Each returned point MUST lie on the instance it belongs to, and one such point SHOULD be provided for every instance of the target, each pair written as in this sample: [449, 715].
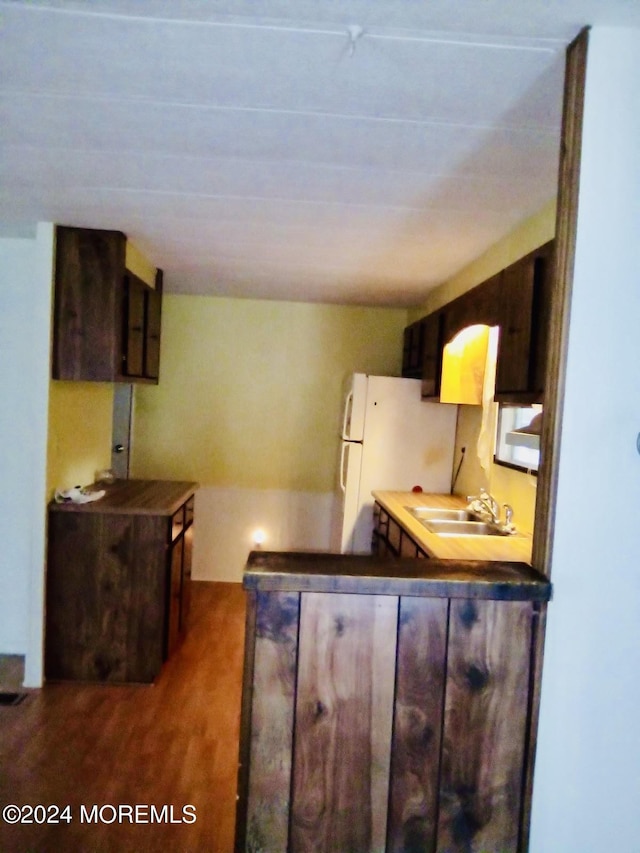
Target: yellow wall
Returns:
[250, 390]
[531, 234]
[506, 485]
[138, 264]
[79, 436]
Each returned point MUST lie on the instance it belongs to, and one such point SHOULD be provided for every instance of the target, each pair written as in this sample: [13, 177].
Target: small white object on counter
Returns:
[78, 495]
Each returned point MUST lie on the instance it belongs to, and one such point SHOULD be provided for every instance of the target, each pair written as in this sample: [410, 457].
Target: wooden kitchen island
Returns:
[387, 704]
[118, 581]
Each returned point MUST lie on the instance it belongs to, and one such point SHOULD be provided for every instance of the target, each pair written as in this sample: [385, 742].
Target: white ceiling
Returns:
[352, 152]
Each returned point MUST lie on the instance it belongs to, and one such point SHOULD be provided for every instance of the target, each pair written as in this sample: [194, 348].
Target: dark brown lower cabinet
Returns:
[389, 539]
[383, 722]
[118, 584]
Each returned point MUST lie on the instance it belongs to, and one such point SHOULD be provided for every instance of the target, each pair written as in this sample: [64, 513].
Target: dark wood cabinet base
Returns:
[383, 721]
[118, 575]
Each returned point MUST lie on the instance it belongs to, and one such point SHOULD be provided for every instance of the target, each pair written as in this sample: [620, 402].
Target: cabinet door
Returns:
[516, 305]
[477, 306]
[86, 317]
[408, 547]
[543, 289]
[394, 536]
[431, 355]
[525, 304]
[152, 334]
[412, 351]
[134, 323]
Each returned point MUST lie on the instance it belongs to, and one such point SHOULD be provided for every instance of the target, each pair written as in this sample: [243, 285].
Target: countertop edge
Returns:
[365, 575]
[173, 494]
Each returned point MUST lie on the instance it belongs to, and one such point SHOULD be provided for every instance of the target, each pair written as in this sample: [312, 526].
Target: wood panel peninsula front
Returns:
[118, 581]
[387, 704]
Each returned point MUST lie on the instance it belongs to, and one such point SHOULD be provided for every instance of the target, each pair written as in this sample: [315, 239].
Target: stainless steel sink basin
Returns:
[428, 513]
[462, 528]
[454, 522]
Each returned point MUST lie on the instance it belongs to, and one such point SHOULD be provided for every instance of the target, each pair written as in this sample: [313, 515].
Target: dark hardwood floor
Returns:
[174, 743]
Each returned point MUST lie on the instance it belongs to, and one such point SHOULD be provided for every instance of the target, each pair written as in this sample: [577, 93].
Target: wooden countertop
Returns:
[135, 497]
[363, 574]
[514, 548]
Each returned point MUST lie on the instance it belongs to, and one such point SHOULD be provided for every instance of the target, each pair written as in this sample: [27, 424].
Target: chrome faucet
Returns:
[508, 515]
[485, 505]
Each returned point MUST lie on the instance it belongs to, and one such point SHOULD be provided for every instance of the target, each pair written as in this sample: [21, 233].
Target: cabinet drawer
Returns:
[394, 535]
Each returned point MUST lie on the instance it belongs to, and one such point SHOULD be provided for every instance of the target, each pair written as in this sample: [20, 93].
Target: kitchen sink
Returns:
[454, 522]
[429, 513]
[463, 528]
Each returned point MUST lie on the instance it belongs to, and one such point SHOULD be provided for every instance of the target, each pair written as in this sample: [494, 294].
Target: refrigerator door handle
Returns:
[347, 414]
[343, 482]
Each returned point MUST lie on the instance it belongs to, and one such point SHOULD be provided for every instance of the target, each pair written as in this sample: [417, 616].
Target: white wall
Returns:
[587, 781]
[290, 520]
[25, 307]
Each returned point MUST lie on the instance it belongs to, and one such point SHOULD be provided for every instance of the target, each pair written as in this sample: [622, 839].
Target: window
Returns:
[518, 437]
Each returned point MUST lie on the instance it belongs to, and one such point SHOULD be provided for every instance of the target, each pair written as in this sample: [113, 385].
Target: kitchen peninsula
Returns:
[387, 703]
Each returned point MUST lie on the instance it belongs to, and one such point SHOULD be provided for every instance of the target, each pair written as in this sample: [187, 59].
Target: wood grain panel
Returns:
[516, 306]
[73, 545]
[145, 581]
[134, 322]
[272, 716]
[478, 305]
[431, 355]
[89, 268]
[421, 660]
[105, 597]
[349, 573]
[564, 257]
[152, 340]
[344, 712]
[485, 726]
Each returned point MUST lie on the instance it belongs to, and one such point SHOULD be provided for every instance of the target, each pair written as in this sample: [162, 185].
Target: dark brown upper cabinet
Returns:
[478, 306]
[525, 296]
[422, 354]
[412, 350]
[142, 307]
[106, 322]
[517, 299]
[431, 356]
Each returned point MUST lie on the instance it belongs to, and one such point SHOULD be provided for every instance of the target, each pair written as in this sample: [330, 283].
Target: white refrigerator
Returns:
[391, 440]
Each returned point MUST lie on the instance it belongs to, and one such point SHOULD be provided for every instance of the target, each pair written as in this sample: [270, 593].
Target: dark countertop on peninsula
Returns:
[363, 574]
